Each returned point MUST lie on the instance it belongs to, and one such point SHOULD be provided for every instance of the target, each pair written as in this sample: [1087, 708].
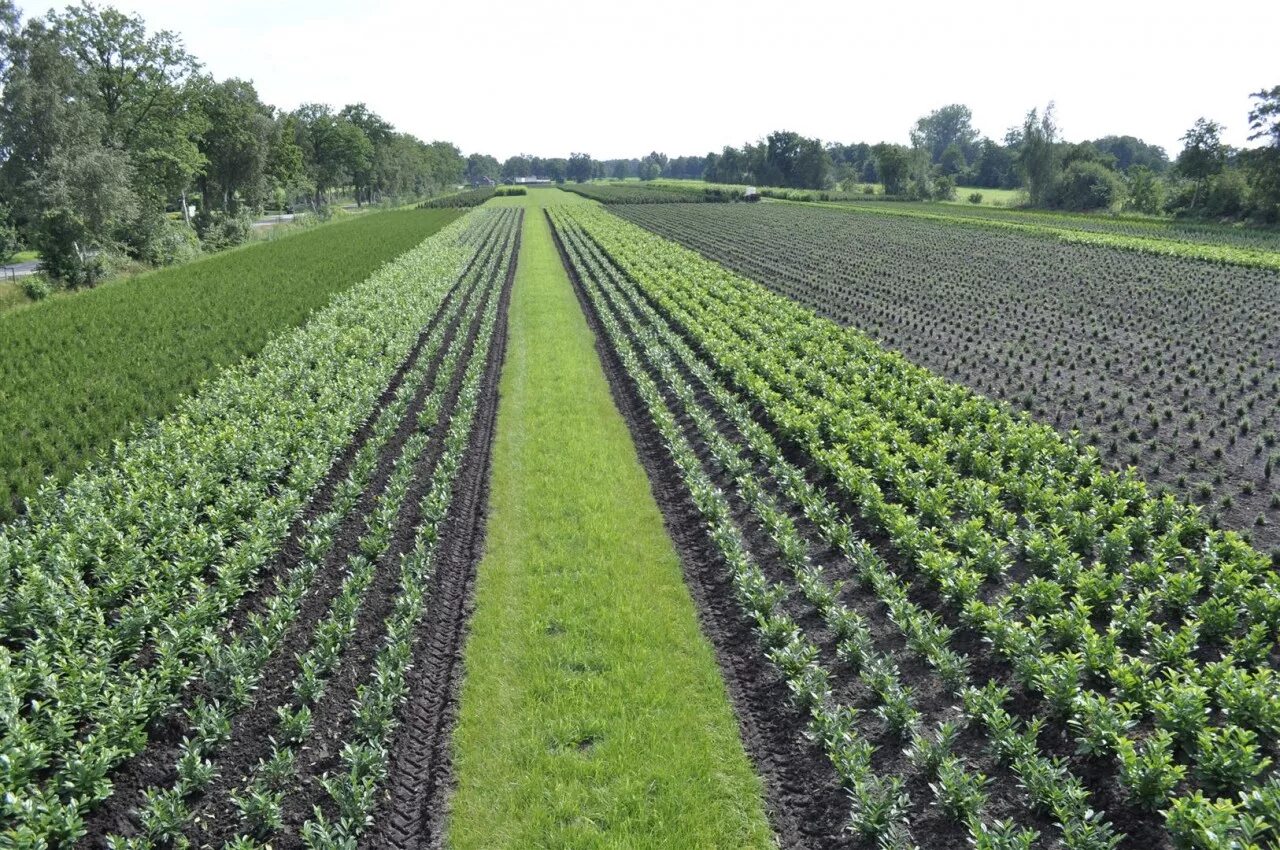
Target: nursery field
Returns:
[1261, 239]
[1166, 364]
[206, 637]
[78, 373]
[993, 640]
[533, 527]
[648, 193]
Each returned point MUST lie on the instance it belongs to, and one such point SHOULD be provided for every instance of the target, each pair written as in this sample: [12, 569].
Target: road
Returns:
[273, 220]
[19, 269]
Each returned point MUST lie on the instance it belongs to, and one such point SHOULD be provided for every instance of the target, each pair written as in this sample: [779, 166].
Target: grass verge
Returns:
[593, 713]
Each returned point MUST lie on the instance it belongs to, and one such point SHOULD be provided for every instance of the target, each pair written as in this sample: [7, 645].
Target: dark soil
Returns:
[1167, 364]
[413, 813]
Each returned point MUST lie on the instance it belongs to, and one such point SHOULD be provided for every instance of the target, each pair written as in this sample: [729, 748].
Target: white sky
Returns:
[620, 79]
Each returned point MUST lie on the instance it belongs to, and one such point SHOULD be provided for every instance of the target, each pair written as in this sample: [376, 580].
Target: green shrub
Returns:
[67, 248]
[975, 197]
[37, 287]
[165, 242]
[218, 230]
[1087, 186]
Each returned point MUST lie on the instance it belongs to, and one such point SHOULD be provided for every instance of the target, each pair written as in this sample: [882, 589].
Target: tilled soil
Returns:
[412, 815]
[1084, 338]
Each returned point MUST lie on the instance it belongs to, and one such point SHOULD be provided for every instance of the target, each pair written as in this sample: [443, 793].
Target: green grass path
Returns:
[593, 713]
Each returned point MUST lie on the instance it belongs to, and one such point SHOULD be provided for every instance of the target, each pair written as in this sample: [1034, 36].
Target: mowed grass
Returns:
[79, 372]
[593, 713]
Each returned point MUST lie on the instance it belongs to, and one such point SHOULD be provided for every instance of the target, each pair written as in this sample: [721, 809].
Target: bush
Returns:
[165, 242]
[220, 230]
[975, 197]
[1226, 196]
[510, 191]
[37, 287]
[944, 188]
[1087, 186]
[67, 249]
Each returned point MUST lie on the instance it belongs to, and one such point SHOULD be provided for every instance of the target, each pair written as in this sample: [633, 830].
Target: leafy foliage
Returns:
[1050, 329]
[959, 487]
[80, 373]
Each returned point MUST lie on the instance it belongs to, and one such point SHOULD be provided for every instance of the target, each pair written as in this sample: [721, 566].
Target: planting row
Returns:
[798, 541]
[263, 514]
[1254, 245]
[1125, 646]
[77, 374]
[646, 193]
[1163, 364]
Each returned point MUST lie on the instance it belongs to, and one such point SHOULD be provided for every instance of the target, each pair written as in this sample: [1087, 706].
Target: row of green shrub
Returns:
[78, 373]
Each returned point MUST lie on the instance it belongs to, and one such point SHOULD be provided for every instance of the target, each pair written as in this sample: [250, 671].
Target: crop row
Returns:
[119, 590]
[1264, 240]
[469, 198]
[1167, 365]
[1141, 631]
[880, 803]
[77, 374]
[641, 193]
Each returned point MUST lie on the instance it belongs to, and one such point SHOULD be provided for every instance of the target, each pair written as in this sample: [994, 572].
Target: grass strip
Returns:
[592, 712]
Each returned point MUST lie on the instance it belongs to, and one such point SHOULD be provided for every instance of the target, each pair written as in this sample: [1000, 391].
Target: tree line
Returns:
[116, 144]
[1207, 178]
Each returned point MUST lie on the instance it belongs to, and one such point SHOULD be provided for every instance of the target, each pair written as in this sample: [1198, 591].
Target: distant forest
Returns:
[1207, 178]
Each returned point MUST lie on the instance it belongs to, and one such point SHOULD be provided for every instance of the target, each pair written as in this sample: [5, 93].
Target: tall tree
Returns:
[944, 127]
[10, 27]
[1203, 154]
[893, 162]
[1037, 155]
[236, 145]
[138, 82]
[333, 149]
[481, 166]
[1130, 151]
[517, 166]
[579, 169]
[1264, 162]
[366, 177]
[995, 167]
[72, 192]
[286, 167]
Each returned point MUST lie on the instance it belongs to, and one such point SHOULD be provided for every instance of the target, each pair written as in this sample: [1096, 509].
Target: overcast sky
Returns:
[620, 79]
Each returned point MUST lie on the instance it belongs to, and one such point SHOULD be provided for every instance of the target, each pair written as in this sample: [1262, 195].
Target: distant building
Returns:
[477, 182]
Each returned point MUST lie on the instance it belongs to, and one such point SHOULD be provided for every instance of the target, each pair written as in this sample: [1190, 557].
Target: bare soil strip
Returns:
[412, 814]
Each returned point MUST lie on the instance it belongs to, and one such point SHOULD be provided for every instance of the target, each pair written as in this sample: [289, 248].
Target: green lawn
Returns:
[593, 713]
